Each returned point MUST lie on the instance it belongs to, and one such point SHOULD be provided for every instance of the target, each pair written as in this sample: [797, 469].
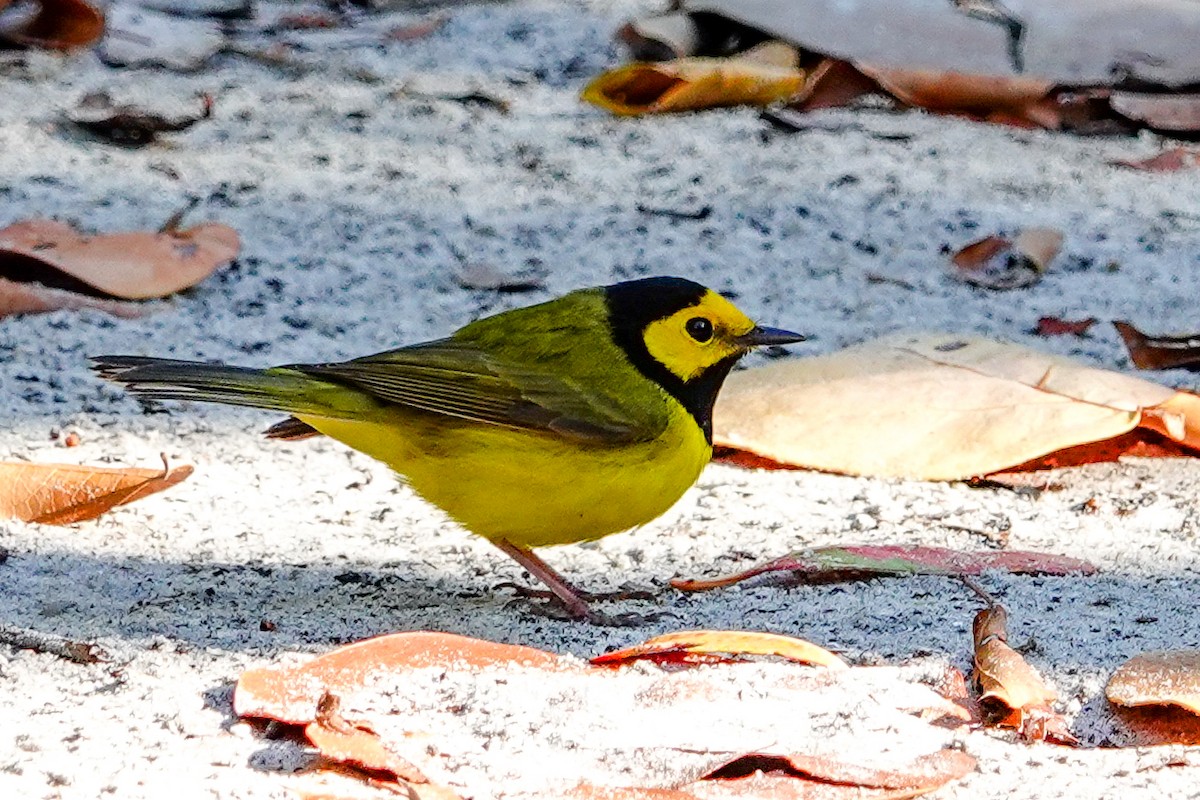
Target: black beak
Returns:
[761, 336]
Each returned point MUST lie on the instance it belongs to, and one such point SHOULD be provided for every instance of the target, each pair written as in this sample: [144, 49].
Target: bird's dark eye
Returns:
[699, 329]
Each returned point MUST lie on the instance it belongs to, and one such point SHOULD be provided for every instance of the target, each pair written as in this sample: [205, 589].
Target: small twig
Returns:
[51, 644]
[702, 213]
[473, 98]
[975, 587]
[175, 220]
[875, 277]
[791, 121]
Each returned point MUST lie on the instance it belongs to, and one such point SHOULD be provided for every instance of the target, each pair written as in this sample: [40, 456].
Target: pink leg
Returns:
[576, 606]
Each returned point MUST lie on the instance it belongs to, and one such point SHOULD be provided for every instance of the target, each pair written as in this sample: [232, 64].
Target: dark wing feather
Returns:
[458, 379]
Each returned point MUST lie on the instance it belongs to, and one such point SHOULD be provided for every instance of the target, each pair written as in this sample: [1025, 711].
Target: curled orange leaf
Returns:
[689, 647]
[59, 494]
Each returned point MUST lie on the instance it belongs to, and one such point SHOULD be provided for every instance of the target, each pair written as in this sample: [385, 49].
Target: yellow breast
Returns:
[533, 489]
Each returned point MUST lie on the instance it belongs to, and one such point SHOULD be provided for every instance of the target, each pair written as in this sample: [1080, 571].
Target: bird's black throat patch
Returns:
[632, 306]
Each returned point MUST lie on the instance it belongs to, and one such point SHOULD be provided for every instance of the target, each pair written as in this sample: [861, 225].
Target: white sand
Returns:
[352, 197]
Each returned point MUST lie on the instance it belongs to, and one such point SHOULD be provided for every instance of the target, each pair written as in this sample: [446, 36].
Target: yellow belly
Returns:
[533, 489]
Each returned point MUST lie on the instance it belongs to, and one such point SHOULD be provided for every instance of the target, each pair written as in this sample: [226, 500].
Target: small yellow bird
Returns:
[561, 422]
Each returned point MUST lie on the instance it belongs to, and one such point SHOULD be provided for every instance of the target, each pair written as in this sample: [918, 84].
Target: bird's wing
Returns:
[459, 379]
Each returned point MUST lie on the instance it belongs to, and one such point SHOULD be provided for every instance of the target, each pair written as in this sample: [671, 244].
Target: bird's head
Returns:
[684, 337]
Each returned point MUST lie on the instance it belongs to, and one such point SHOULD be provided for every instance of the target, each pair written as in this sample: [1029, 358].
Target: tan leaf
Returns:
[58, 25]
[784, 786]
[995, 262]
[450, 707]
[806, 777]
[753, 78]
[1039, 245]
[135, 266]
[834, 83]
[1172, 160]
[355, 744]
[1076, 43]
[996, 97]
[1162, 677]
[936, 406]
[1009, 687]
[59, 494]
[292, 695]
[709, 646]
[34, 298]
[1175, 112]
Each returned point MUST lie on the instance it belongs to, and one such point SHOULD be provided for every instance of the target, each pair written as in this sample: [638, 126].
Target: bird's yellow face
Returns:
[684, 338]
[689, 341]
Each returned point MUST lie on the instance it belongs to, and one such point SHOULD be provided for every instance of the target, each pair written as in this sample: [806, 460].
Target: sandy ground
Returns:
[354, 189]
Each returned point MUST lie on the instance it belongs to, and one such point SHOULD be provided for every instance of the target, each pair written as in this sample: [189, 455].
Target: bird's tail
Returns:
[277, 389]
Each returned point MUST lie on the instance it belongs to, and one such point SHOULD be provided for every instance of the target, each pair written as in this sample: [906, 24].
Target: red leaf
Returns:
[1054, 326]
[861, 562]
[59, 25]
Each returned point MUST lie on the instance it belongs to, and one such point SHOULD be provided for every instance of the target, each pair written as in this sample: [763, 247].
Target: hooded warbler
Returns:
[557, 423]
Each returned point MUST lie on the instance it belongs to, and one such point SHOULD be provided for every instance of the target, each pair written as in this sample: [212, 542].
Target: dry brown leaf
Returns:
[59, 494]
[838, 563]
[292, 695]
[307, 22]
[754, 78]
[834, 83]
[1147, 726]
[1172, 160]
[1159, 352]
[420, 29]
[656, 735]
[701, 647]
[134, 266]
[356, 745]
[1047, 65]
[34, 298]
[925, 773]
[785, 786]
[938, 407]
[807, 777]
[995, 262]
[1170, 113]
[57, 25]
[1138, 443]
[1013, 100]
[1011, 691]
[128, 125]
[1070, 42]
[1055, 326]
[1162, 677]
